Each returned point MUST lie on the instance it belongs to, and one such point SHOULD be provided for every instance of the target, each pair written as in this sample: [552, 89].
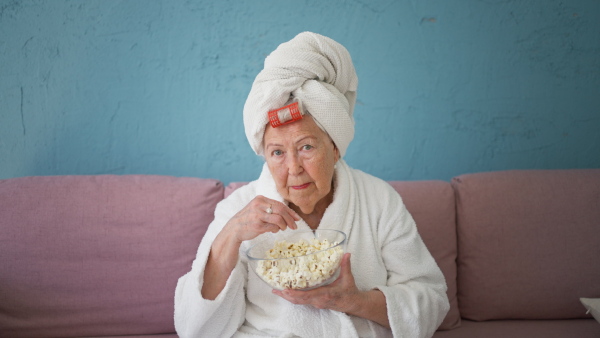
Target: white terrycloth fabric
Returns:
[387, 254]
[318, 72]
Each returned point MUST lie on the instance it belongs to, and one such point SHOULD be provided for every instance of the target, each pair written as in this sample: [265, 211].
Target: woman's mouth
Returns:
[300, 187]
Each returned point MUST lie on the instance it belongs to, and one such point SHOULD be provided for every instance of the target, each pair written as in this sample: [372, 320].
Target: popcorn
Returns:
[310, 263]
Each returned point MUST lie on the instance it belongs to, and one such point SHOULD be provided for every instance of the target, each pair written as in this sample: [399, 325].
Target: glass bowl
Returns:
[298, 259]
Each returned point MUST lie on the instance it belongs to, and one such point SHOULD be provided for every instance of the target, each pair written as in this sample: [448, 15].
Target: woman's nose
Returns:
[294, 165]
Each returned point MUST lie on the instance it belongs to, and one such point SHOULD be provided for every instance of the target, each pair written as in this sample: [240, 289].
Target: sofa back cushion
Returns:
[431, 203]
[233, 186]
[97, 255]
[528, 243]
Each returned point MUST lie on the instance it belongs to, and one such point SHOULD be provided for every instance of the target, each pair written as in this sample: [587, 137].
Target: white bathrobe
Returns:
[387, 254]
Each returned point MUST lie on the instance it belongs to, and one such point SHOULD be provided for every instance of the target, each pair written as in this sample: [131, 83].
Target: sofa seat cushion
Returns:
[580, 328]
[528, 243]
[97, 255]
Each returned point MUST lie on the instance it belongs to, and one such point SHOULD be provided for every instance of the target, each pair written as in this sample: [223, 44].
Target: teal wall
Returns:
[157, 87]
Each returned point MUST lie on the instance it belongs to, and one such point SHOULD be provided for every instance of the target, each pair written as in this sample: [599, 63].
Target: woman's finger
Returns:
[275, 220]
[297, 297]
[345, 278]
[346, 266]
[286, 217]
[282, 221]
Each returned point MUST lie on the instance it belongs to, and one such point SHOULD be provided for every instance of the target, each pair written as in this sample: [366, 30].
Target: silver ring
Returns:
[269, 210]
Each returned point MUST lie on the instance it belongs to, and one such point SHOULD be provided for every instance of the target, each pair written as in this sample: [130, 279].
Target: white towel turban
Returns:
[315, 70]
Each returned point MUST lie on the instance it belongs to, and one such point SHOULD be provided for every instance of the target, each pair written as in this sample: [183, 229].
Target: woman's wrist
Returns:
[358, 303]
[223, 257]
[370, 305]
[225, 250]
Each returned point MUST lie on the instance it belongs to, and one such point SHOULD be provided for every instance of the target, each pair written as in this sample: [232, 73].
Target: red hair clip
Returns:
[285, 115]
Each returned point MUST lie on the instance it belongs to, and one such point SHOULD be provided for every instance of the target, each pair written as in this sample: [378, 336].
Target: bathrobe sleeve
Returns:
[199, 317]
[416, 289]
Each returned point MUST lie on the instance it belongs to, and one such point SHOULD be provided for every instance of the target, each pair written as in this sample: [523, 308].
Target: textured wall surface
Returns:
[157, 87]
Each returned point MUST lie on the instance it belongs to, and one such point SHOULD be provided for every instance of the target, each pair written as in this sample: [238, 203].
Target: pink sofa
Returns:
[101, 255]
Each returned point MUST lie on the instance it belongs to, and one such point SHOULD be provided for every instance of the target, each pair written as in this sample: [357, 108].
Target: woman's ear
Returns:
[336, 152]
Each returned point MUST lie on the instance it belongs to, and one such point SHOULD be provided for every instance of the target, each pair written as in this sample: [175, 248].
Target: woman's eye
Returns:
[277, 152]
[307, 147]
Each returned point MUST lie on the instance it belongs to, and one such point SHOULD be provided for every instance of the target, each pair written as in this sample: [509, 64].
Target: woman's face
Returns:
[301, 157]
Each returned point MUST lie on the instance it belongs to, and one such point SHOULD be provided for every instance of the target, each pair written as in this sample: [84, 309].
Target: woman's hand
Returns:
[254, 219]
[259, 216]
[342, 295]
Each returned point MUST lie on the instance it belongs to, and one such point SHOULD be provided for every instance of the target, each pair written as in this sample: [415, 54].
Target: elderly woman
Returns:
[299, 116]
